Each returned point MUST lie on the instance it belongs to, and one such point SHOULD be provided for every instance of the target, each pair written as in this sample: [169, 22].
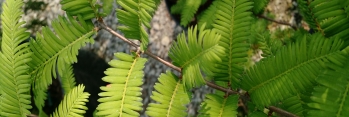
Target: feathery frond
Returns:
[233, 24]
[51, 51]
[294, 104]
[189, 10]
[170, 97]
[330, 17]
[177, 8]
[40, 96]
[208, 16]
[259, 5]
[331, 97]
[67, 79]
[292, 70]
[122, 96]
[136, 16]
[197, 53]
[14, 56]
[85, 8]
[216, 105]
[260, 38]
[73, 104]
[307, 14]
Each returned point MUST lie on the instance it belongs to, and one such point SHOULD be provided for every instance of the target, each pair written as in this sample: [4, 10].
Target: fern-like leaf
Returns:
[51, 51]
[233, 24]
[331, 17]
[216, 105]
[292, 70]
[135, 16]
[40, 96]
[122, 96]
[177, 8]
[199, 52]
[86, 9]
[189, 9]
[331, 97]
[170, 96]
[259, 5]
[294, 104]
[208, 16]
[67, 79]
[73, 103]
[307, 14]
[260, 38]
[14, 56]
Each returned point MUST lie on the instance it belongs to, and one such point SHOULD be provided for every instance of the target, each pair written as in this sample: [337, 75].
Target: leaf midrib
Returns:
[12, 39]
[288, 71]
[58, 53]
[343, 100]
[231, 42]
[191, 61]
[222, 107]
[172, 98]
[125, 87]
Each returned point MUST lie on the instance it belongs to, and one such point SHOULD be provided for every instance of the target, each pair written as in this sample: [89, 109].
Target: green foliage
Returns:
[330, 98]
[136, 15]
[15, 83]
[67, 79]
[60, 49]
[306, 62]
[294, 104]
[73, 104]
[171, 97]
[233, 24]
[196, 54]
[259, 5]
[85, 9]
[328, 17]
[307, 14]
[261, 38]
[257, 114]
[107, 6]
[306, 74]
[122, 96]
[187, 9]
[208, 16]
[217, 105]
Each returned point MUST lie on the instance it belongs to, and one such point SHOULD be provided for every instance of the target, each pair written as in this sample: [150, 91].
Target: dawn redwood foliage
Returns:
[307, 76]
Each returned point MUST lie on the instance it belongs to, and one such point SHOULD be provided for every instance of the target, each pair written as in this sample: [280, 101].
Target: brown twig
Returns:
[102, 24]
[243, 106]
[208, 83]
[281, 112]
[279, 22]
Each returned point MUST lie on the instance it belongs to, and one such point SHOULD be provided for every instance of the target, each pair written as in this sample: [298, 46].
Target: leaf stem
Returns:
[281, 112]
[208, 83]
[278, 22]
[102, 24]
